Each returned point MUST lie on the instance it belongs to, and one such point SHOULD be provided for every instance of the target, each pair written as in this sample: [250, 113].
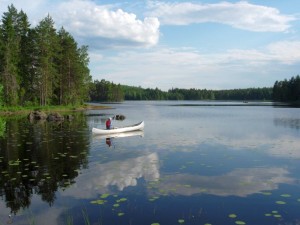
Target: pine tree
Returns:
[74, 77]
[10, 55]
[25, 62]
[46, 71]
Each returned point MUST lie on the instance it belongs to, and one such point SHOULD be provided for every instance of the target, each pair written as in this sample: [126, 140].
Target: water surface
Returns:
[195, 163]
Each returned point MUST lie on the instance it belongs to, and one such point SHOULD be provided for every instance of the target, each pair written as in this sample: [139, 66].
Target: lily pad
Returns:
[181, 221]
[99, 202]
[280, 202]
[232, 215]
[239, 222]
[285, 195]
[121, 214]
[122, 200]
[266, 193]
[104, 195]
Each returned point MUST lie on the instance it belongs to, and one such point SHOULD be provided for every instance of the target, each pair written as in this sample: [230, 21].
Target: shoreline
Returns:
[21, 111]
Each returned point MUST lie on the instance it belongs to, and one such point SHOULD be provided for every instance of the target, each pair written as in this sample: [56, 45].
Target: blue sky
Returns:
[180, 44]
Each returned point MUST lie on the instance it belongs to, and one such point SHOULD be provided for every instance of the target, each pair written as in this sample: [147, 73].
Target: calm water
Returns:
[195, 163]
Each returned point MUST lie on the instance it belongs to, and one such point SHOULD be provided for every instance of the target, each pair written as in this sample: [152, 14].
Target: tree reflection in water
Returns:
[40, 158]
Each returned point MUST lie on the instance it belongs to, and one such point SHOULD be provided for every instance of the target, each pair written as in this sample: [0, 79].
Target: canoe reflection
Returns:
[108, 137]
[120, 135]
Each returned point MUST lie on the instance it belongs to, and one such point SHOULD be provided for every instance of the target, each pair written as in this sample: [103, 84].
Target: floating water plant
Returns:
[99, 202]
[239, 222]
[122, 200]
[232, 215]
[285, 195]
[104, 195]
[266, 193]
[121, 214]
[280, 202]
[155, 197]
[181, 221]
[155, 224]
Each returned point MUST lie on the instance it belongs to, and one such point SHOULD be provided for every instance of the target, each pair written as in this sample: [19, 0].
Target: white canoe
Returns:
[138, 126]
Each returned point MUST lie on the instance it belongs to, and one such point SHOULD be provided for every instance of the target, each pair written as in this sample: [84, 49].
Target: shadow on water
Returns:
[40, 158]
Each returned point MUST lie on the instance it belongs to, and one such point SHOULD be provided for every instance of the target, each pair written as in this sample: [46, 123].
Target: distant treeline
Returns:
[108, 91]
[40, 65]
[285, 91]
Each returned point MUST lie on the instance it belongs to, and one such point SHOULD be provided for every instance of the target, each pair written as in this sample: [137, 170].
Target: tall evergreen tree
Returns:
[46, 71]
[10, 41]
[74, 77]
[25, 62]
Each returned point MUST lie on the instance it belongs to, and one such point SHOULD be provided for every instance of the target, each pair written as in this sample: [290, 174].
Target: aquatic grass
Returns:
[30, 218]
[85, 217]
[70, 220]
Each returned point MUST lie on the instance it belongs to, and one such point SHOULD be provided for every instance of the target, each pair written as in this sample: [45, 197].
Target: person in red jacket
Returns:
[108, 124]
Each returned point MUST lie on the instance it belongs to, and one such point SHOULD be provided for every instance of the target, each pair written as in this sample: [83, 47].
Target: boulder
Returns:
[120, 117]
[37, 115]
[55, 117]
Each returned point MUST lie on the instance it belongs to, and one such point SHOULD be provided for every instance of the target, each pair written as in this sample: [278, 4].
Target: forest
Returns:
[40, 65]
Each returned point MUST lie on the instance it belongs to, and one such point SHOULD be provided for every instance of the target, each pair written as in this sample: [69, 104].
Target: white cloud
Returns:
[98, 25]
[241, 15]
[89, 20]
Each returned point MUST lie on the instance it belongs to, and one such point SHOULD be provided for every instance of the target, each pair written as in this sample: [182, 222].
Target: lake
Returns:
[195, 163]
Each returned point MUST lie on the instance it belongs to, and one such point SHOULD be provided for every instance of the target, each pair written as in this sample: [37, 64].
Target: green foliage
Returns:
[287, 90]
[106, 91]
[1, 96]
[2, 126]
[40, 65]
